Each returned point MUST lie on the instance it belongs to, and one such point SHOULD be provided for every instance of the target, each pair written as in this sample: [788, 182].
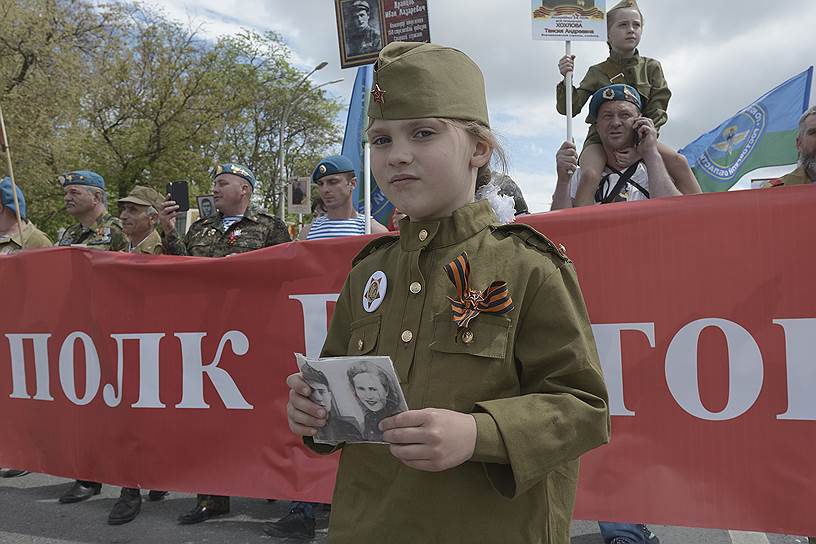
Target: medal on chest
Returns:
[374, 291]
[233, 237]
[104, 234]
[469, 303]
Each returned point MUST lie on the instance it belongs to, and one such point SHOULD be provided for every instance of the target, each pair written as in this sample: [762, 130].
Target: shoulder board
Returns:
[269, 216]
[374, 246]
[532, 237]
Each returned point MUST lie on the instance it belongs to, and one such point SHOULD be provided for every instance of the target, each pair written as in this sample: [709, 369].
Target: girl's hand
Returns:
[566, 64]
[305, 416]
[566, 161]
[430, 439]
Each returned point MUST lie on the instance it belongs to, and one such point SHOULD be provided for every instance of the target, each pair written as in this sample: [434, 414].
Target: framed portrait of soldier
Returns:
[360, 25]
[300, 196]
[206, 206]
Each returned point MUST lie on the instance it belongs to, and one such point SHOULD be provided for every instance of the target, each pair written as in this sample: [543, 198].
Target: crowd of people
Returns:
[470, 448]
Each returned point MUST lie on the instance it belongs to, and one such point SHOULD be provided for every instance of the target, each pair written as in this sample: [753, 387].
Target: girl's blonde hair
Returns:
[498, 155]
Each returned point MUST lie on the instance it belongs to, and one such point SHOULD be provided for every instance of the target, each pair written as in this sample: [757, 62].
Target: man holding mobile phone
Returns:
[238, 226]
[624, 132]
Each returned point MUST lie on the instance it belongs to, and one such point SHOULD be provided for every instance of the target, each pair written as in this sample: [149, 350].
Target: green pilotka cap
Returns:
[418, 80]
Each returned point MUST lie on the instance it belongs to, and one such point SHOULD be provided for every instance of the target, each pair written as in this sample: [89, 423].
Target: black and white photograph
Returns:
[356, 392]
[359, 25]
[206, 206]
[300, 200]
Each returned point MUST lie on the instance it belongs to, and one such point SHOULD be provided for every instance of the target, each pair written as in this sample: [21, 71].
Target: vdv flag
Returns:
[353, 142]
[763, 134]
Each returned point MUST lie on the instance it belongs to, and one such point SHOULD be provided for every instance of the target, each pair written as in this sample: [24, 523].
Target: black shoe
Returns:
[648, 535]
[200, 513]
[80, 491]
[12, 472]
[154, 495]
[126, 508]
[292, 525]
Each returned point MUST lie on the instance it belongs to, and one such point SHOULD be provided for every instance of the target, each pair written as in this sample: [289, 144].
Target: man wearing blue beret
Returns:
[238, 227]
[616, 109]
[10, 241]
[336, 180]
[86, 200]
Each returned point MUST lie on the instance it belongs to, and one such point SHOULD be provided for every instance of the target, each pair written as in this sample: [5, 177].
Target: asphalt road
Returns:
[30, 514]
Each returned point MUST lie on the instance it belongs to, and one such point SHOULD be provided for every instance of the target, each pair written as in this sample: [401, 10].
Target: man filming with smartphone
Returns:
[624, 133]
[238, 226]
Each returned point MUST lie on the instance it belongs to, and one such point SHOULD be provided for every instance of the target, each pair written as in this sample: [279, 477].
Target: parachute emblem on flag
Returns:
[729, 151]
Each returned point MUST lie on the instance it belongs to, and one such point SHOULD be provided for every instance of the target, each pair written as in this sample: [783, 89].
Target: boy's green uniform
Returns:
[530, 377]
[529, 374]
[642, 73]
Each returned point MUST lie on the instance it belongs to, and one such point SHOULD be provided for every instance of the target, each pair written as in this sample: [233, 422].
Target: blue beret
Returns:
[82, 177]
[336, 164]
[237, 170]
[7, 197]
[610, 93]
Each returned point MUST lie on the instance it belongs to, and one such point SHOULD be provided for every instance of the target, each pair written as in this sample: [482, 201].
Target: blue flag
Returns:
[761, 135]
[353, 142]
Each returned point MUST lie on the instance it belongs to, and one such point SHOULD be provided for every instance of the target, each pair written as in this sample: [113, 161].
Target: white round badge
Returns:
[374, 291]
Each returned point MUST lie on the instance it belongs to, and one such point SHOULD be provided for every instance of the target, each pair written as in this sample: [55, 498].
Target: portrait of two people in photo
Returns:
[357, 394]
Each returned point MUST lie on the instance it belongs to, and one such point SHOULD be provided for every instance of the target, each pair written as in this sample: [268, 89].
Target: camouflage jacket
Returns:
[207, 237]
[152, 245]
[33, 238]
[106, 234]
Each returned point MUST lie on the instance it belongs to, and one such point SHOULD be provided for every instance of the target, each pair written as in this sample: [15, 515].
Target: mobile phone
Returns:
[637, 137]
[179, 191]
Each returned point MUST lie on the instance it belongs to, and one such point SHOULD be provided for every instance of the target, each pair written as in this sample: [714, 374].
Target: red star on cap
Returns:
[378, 94]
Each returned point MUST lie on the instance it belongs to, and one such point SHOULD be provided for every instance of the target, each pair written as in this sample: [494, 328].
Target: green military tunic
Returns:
[106, 234]
[207, 237]
[531, 378]
[797, 177]
[642, 73]
[152, 245]
[33, 238]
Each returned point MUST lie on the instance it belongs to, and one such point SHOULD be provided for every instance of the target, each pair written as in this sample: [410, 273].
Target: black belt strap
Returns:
[624, 178]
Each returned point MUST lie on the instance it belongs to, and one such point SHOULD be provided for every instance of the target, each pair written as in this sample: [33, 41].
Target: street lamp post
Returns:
[287, 111]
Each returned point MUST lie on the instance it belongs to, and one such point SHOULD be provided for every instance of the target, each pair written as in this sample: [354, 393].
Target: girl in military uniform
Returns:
[624, 65]
[485, 324]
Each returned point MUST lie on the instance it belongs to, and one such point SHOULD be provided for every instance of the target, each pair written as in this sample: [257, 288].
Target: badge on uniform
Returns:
[233, 237]
[374, 292]
[104, 235]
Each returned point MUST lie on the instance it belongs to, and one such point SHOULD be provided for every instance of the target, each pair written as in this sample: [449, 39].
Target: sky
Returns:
[718, 57]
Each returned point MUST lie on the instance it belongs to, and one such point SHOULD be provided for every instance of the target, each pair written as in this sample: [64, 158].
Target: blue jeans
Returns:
[630, 531]
[306, 507]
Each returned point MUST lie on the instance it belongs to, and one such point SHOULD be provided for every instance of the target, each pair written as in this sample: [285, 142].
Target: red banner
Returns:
[168, 372]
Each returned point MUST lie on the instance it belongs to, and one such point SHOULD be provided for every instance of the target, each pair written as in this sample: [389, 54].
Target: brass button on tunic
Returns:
[533, 385]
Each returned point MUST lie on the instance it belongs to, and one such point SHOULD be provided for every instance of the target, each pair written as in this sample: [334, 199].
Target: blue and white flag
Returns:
[353, 145]
[761, 135]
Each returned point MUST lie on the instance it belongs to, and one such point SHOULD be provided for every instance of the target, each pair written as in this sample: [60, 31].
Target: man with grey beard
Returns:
[806, 145]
